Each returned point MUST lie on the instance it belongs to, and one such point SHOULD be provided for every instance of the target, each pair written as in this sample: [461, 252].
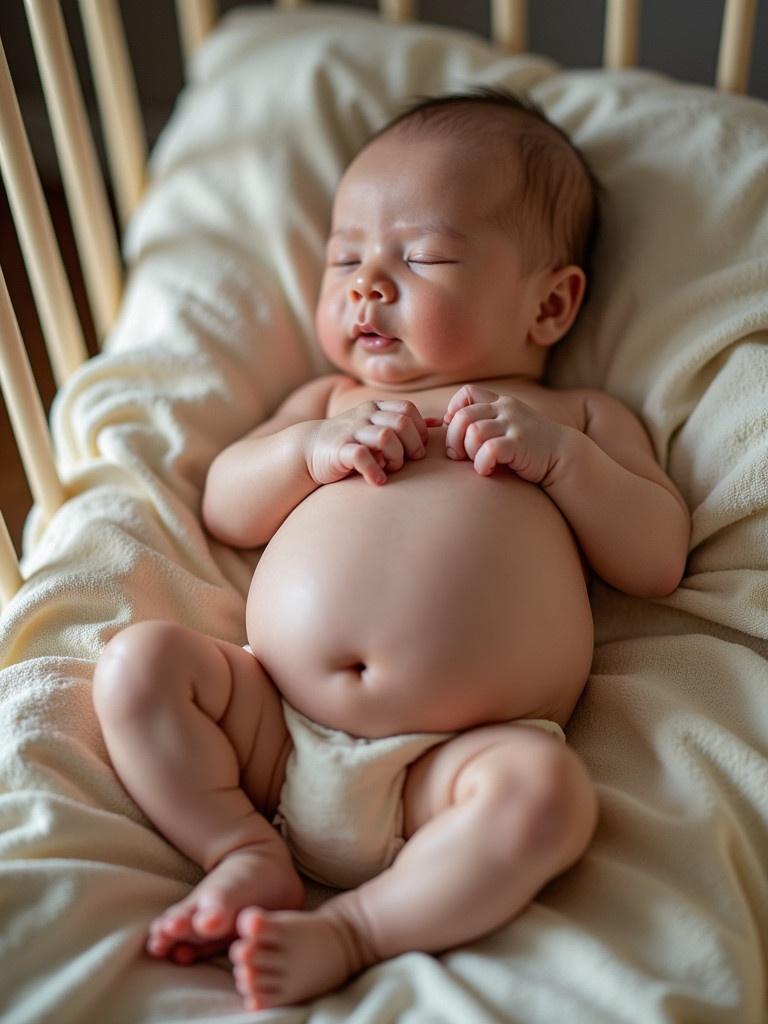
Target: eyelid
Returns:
[428, 258]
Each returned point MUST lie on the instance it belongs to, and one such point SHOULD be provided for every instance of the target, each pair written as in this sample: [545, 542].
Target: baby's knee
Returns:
[548, 810]
[131, 668]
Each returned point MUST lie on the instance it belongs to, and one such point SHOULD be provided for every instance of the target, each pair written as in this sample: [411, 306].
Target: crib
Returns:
[201, 298]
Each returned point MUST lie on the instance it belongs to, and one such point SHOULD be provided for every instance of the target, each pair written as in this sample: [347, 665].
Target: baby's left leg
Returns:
[490, 817]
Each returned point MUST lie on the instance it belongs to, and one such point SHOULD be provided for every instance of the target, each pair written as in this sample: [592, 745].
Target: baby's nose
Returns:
[373, 287]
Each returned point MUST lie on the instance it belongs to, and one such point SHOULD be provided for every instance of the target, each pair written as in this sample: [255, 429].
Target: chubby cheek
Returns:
[442, 329]
[329, 321]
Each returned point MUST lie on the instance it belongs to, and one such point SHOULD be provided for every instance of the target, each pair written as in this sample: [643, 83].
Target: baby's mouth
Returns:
[372, 340]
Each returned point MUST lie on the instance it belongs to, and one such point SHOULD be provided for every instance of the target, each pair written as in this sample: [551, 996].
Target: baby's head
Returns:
[459, 245]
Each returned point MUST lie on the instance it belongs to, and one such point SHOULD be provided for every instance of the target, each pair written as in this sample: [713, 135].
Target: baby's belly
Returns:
[437, 602]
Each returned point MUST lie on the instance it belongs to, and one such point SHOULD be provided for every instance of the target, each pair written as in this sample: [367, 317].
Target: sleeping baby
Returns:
[419, 627]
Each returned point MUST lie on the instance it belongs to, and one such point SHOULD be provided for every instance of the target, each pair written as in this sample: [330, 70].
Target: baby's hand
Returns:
[493, 430]
[372, 439]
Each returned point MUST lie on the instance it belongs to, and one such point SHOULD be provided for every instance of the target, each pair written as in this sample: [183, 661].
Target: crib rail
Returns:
[118, 103]
[126, 149]
[61, 327]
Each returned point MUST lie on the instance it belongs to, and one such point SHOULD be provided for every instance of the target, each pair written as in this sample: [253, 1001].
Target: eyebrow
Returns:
[427, 228]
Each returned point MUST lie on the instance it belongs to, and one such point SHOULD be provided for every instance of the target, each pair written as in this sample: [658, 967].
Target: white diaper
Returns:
[341, 808]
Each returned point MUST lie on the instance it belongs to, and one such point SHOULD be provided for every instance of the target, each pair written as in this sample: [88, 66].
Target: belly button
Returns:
[352, 673]
[357, 668]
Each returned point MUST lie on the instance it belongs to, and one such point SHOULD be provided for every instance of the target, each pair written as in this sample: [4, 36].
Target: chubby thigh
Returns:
[527, 760]
[255, 725]
[194, 727]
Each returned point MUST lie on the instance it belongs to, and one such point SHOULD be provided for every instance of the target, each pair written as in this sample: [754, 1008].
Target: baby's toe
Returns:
[264, 962]
[265, 998]
[158, 942]
[179, 924]
[169, 928]
[252, 924]
[258, 991]
[245, 979]
[183, 953]
[214, 919]
[240, 951]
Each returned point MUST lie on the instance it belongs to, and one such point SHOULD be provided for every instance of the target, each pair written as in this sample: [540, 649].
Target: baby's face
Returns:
[422, 286]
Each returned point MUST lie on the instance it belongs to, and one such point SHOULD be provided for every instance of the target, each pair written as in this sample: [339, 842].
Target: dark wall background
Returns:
[678, 37]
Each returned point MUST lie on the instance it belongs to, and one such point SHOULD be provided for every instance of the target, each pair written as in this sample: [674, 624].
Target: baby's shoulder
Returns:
[593, 404]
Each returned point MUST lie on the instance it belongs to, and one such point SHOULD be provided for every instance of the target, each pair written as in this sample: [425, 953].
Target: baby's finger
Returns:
[357, 457]
[479, 434]
[489, 455]
[468, 394]
[385, 440]
[457, 429]
[405, 428]
[407, 409]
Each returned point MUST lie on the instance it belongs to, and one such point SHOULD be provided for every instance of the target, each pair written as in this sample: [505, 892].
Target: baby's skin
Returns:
[432, 514]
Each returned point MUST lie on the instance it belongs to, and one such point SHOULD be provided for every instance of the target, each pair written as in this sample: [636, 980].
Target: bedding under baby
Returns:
[664, 919]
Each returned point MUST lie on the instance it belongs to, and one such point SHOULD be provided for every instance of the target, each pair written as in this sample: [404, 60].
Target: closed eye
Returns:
[429, 261]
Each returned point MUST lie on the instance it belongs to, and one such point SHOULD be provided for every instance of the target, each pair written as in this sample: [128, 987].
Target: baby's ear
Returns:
[562, 293]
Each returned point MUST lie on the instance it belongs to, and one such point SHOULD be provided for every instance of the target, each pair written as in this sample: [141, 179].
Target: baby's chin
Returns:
[391, 374]
[417, 382]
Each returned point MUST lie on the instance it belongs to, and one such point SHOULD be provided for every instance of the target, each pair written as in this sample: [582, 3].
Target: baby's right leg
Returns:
[195, 729]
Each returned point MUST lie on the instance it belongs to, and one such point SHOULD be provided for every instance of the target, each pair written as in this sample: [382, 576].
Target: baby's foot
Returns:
[203, 923]
[285, 957]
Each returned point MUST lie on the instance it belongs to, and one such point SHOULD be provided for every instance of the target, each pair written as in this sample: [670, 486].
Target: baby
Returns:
[419, 626]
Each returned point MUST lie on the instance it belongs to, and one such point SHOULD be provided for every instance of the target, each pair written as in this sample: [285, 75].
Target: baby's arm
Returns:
[256, 482]
[629, 518]
[631, 521]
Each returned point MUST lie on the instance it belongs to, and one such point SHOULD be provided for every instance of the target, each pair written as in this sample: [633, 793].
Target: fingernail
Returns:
[451, 453]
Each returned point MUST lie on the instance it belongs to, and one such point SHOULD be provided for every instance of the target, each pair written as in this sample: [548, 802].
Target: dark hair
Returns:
[554, 189]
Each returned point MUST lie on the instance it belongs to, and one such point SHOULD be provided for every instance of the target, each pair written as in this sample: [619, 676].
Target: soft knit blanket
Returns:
[666, 917]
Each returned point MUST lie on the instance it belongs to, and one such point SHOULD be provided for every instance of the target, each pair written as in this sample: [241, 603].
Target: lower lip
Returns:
[375, 342]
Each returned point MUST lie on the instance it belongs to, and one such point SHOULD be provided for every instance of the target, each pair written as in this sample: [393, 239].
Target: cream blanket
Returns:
[666, 917]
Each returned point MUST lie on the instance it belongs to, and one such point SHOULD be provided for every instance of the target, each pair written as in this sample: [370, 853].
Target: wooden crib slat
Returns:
[397, 10]
[196, 18]
[53, 296]
[118, 102]
[25, 410]
[83, 183]
[10, 576]
[509, 24]
[736, 45]
[620, 45]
